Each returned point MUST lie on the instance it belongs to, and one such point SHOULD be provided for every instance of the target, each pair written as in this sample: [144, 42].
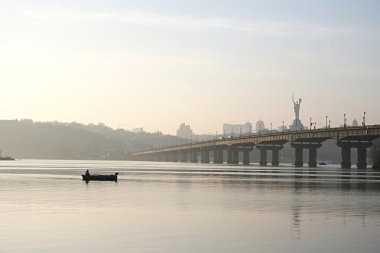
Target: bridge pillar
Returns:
[362, 155]
[312, 157]
[299, 156]
[174, 156]
[167, 157]
[362, 158]
[246, 155]
[346, 156]
[274, 148]
[205, 156]
[183, 156]
[263, 157]
[233, 155]
[194, 156]
[312, 153]
[218, 156]
[229, 156]
[361, 150]
[235, 158]
[275, 157]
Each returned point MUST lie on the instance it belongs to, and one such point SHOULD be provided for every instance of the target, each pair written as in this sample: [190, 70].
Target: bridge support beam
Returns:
[218, 156]
[205, 156]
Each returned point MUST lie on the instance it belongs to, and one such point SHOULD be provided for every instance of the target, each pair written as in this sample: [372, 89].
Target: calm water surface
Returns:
[178, 207]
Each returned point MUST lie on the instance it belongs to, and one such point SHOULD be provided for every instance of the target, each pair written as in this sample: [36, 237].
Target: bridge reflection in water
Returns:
[359, 138]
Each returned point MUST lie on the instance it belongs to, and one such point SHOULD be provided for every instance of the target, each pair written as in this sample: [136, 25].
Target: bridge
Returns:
[347, 138]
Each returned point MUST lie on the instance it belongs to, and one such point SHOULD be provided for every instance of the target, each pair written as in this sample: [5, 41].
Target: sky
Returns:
[156, 64]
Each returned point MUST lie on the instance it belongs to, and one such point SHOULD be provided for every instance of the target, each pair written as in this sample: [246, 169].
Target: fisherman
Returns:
[87, 173]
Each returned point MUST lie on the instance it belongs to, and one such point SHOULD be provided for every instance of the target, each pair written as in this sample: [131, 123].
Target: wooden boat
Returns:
[7, 158]
[100, 177]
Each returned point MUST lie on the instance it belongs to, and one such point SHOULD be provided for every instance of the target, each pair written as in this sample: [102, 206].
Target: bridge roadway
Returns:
[359, 138]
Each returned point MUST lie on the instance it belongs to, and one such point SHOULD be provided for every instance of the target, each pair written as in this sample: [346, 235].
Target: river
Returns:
[182, 207]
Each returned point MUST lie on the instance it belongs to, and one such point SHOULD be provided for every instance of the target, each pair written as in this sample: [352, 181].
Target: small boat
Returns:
[6, 158]
[100, 177]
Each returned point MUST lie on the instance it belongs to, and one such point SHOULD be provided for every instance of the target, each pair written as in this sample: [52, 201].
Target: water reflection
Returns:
[296, 213]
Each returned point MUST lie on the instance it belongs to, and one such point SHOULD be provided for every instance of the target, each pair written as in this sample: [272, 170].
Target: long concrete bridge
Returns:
[347, 138]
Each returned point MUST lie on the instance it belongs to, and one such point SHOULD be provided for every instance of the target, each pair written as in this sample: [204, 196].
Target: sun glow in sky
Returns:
[155, 64]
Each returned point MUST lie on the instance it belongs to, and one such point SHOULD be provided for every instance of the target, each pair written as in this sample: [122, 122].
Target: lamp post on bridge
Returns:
[363, 120]
[311, 124]
[344, 121]
[326, 121]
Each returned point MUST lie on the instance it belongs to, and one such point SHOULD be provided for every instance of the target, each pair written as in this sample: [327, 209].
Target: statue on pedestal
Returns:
[297, 106]
[297, 124]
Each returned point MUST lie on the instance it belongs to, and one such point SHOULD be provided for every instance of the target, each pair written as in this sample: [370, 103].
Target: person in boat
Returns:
[87, 173]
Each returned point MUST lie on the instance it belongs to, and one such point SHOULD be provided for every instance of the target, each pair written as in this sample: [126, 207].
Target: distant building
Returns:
[355, 123]
[184, 131]
[260, 126]
[138, 130]
[236, 129]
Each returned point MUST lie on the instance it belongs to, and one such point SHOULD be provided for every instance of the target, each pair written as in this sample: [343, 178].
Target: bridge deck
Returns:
[366, 134]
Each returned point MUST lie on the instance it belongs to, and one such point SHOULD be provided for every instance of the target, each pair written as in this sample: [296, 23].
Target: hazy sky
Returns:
[156, 64]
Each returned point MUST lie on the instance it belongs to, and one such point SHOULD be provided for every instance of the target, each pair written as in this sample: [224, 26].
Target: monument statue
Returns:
[297, 105]
[297, 124]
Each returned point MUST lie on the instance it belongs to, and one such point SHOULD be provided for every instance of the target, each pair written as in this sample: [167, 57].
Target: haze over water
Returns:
[182, 207]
